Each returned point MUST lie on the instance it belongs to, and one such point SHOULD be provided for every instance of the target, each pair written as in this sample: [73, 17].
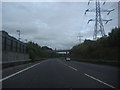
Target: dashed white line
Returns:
[90, 76]
[69, 66]
[7, 77]
[73, 68]
[99, 80]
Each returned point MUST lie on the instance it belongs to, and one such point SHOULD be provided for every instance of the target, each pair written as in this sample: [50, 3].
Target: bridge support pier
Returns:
[66, 55]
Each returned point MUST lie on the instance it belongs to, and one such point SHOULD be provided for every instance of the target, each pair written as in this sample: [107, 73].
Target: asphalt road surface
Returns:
[58, 73]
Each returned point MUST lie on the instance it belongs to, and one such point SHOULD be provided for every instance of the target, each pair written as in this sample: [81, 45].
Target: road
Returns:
[58, 73]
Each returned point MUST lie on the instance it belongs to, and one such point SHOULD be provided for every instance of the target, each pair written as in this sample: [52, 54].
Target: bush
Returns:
[103, 48]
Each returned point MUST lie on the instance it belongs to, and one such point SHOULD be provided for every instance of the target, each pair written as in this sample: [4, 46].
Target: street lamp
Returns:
[18, 34]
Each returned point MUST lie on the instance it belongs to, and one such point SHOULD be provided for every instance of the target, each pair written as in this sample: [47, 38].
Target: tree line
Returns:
[104, 48]
[36, 52]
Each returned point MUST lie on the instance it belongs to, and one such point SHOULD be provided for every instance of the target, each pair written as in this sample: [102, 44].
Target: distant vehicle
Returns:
[67, 59]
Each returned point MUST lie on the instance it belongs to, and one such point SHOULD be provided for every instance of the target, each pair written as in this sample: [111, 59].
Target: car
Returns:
[67, 59]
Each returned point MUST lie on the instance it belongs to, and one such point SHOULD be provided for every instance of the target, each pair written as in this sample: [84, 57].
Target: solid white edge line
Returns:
[7, 77]
[98, 80]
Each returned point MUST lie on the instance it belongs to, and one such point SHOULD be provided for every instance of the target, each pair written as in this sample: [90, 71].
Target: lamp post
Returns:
[18, 34]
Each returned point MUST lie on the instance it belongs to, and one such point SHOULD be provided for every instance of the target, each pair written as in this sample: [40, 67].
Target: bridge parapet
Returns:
[61, 50]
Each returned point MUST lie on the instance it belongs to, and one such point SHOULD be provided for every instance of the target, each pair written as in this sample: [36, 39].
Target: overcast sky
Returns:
[54, 24]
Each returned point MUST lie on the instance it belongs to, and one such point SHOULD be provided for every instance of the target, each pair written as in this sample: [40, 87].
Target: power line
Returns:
[115, 10]
[113, 6]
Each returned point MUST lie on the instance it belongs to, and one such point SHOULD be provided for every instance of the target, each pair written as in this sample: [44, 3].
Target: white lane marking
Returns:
[7, 77]
[62, 63]
[99, 80]
[65, 64]
[68, 66]
[73, 68]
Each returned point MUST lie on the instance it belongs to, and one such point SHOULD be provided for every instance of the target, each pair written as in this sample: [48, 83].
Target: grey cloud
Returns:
[55, 24]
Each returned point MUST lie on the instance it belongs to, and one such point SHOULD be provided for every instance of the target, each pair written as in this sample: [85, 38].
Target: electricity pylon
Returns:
[99, 27]
[80, 38]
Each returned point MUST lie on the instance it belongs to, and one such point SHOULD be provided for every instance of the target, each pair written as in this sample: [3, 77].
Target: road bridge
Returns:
[62, 50]
[66, 52]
